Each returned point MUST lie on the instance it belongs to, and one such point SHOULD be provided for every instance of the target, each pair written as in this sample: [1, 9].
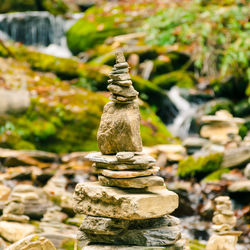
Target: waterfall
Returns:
[38, 28]
[182, 122]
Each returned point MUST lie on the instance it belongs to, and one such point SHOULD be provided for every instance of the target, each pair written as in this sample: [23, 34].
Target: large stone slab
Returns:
[139, 182]
[119, 129]
[129, 174]
[91, 198]
[139, 159]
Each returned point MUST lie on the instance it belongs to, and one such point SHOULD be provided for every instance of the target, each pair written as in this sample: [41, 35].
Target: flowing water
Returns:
[38, 28]
[186, 112]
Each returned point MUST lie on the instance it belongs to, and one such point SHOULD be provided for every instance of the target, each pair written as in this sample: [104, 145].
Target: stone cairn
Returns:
[129, 206]
[223, 222]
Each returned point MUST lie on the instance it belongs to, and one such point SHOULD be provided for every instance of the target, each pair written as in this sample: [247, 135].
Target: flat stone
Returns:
[122, 166]
[103, 225]
[176, 246]
[139, 182]
[122, 91]
[4, 192]
[159, 236]
[119, 71]
[120, 77]
[119, 129]
[224, 219]
[93, 199]
[124, 83]
[125, 156]
[129, 174]
[16, 218]
[34, 242]
[138, 159]
[13, 231]
[240, 186]
[121, 65]
[121, 99]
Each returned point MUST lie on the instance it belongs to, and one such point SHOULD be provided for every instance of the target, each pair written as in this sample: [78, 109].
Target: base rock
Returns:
[91, 198]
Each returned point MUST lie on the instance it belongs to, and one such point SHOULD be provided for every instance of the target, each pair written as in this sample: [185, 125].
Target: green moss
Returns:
[196, 245]
[17, 5]
[179, 78]
[242, 108]
[213, 106]
[55, 7]
[68, 244]
[199, 166]
[94, 28]
[216, 175]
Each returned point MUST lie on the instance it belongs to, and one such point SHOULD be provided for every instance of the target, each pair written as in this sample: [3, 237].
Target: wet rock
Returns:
[139, 182]
[32, 242]
[13, 231]
[14, 101]
[129, 174]
[96, 200]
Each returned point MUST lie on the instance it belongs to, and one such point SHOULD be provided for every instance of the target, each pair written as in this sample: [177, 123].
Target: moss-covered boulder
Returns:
[211, 107]
[17, 5]
[199, 166]
[94, 28]
[180, 78]
[61, 117]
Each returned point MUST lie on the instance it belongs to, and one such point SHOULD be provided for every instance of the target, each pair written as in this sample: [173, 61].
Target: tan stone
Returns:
[32, 242]
[222, 242]
[139, 182]
[122, 166]
[121, 65]
[93, 199]
[124, 83]
[4, 192]
[139, 159]
[119, 128]
[129, 174]
[122, 91]
[13, 231]
[224, 219]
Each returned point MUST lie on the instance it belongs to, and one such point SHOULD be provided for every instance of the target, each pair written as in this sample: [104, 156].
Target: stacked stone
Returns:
[223, 219]
[129, 205]
[223, 223]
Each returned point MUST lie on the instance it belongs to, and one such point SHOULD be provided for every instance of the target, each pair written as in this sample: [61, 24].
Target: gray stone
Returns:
[122, 91]
[119, 56]
[160, 236]
[119, 128]
[139, 159]
[121, 99]
[122, 166]
[93, 199]
[139, 182]
[119, 71]
[121, 65]
[240, 186]
[120, 77]
[125, 83]
[125, 156]
[130, 173]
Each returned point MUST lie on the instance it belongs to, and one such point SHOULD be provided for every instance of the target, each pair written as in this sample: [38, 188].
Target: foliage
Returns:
[216, 175]
[217, 37]
[199, 166]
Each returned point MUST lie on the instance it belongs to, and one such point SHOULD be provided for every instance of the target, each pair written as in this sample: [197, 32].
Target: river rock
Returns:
[222, 242]
[129, 174]
[124, 83]
[138, 159]
[13, 231]
[160, 236]
[34, 242]
[14, 101]
[122, 91]
[122, 166]
[119, 128]
[240, 186]
[93, 199]
[139, 182]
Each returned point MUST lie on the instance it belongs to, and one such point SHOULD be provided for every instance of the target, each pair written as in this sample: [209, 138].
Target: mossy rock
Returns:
[182, 79]
[95, 27]
[64, 118]
[211, 107]
[216, 175]
[242, 108]
[199, 166]
[56, 7]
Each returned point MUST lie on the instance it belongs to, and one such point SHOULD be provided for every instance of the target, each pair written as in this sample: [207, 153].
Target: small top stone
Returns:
[124, 156]
[119, 57]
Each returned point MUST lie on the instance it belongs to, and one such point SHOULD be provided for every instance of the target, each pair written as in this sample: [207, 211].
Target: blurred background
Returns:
[189, 59]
